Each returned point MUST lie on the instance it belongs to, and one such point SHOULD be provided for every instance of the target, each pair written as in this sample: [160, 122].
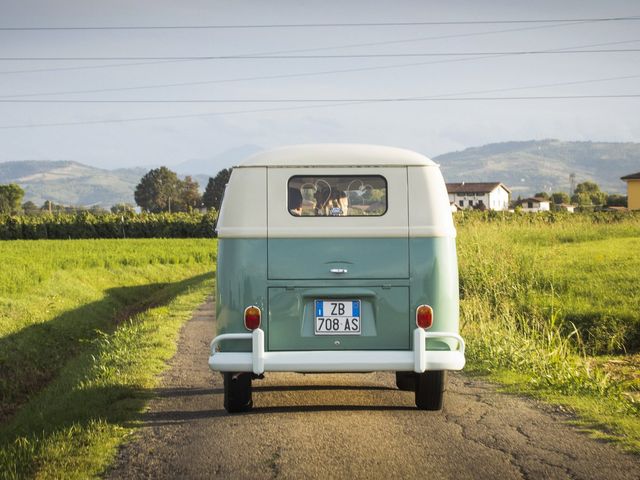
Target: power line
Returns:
[295, 57]
[174, 117]
[324, 25]
[390, 42]
[197, 115]
[88, 67]
[205, 82]
[330, 100]
[288, 75]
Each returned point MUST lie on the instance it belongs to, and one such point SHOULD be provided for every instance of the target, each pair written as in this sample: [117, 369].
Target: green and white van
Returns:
[337, 258]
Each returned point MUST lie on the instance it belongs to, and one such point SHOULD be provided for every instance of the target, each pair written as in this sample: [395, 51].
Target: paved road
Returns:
[351, 426]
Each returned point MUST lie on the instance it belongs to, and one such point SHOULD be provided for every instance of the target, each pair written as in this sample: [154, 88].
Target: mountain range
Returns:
[543, 165]
[525, 167]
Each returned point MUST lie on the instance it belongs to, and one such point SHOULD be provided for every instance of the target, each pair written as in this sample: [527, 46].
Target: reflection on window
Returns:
[337, 196]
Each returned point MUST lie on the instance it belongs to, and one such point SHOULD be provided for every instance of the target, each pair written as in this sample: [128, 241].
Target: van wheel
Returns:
[406, 381]
[237, 392]
[430, 387]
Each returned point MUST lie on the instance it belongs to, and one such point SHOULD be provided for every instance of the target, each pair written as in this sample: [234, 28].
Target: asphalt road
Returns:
[351, 426]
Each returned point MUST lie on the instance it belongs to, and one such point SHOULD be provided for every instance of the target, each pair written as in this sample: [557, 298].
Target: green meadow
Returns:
[550, 307]
[85, 327]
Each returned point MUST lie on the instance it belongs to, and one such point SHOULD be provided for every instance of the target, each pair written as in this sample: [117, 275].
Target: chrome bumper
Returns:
[258, 361]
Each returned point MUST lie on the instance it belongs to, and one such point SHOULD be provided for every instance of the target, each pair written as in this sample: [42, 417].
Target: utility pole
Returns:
[572, 184]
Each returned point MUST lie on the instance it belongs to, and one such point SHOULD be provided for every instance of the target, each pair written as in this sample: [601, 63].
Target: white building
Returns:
[566, 207]
[482, 196]
[535, 204]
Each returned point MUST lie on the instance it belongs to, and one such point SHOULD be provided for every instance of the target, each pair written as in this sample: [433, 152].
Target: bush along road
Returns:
[351, 426]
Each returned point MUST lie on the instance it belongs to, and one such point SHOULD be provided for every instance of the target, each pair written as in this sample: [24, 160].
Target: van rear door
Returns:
[348, 245]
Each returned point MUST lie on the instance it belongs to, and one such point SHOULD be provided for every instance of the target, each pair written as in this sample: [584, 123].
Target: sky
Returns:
[322, 93]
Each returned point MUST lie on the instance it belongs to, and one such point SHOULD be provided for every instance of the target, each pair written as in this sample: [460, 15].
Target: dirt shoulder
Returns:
[354, 425]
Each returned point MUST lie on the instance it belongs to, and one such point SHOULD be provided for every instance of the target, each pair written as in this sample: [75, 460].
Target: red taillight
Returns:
[424, 316]
[251, 318]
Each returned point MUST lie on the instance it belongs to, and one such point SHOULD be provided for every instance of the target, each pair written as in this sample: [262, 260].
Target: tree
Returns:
[158, 190]
[190, 195]
[122, 208]
[588, 193]
[10, 198]
[30, 208]
[214, 192]
[544, 195]
[96, 210]
[615, 200]
[559, 198]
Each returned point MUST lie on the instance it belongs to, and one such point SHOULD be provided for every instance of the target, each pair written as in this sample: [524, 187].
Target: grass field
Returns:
[85, 327]
[550, 307]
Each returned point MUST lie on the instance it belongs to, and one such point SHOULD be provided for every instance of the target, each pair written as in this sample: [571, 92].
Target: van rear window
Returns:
[337, 196]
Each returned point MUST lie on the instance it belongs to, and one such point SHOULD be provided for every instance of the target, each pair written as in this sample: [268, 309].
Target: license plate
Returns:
[337, 317]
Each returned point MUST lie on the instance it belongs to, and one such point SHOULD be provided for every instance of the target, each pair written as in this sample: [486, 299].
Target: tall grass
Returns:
[541, 297]
[84, 327]
[72, 428]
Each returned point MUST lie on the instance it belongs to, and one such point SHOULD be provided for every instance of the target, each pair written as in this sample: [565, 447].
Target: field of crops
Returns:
[85, 326]
[66, 226]
[549, 305]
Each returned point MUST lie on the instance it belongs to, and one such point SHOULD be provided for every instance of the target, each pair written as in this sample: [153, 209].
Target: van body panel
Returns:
[358, 258]
[243, 213]
[241, 281]
[429, 209]
[339, 155]
[384, 315]
[434, 281]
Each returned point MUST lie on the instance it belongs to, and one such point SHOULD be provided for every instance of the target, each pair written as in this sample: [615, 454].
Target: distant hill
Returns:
[543, 165]
[71, 183]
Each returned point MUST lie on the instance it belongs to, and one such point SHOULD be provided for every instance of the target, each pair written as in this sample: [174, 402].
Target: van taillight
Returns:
[252, 317]
[424, 316]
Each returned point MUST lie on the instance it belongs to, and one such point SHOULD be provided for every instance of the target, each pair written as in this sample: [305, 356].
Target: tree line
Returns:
[586, 194]
[159, 190]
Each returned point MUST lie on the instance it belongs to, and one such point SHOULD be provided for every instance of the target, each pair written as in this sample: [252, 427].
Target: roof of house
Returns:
[633, 176]
[470, 187]
[534, 199]
[338, 155]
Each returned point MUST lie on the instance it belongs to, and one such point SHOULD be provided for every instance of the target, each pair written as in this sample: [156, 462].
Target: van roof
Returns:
[336, 155]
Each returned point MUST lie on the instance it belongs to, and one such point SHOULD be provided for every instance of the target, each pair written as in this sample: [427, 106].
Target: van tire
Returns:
[430, 387]
[237, 392]
[406, 381]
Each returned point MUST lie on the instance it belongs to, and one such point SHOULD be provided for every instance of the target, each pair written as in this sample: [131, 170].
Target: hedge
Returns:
[127, 225]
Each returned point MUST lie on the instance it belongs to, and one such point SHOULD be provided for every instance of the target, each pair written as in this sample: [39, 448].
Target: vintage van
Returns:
[337, 258]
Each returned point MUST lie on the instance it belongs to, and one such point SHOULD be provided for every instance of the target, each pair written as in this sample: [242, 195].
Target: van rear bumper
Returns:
[258, 361]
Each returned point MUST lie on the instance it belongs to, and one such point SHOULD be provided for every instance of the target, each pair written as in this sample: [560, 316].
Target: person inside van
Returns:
[295, 202]
[331, 202]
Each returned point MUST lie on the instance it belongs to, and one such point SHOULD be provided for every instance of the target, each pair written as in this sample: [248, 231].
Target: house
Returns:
[633, 190]
[534, 204]
[481, 196]
[566, 207]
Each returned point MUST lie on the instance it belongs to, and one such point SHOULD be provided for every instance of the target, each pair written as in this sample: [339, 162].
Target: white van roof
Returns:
[336, 155]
